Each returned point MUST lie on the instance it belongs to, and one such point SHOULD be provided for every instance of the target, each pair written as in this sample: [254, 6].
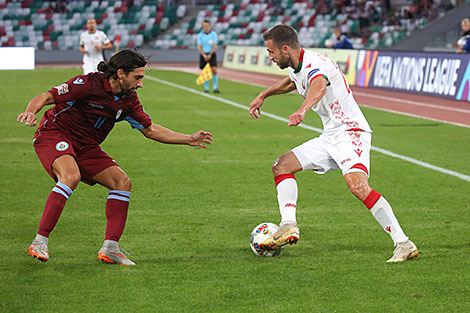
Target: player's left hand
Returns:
[98, 48]
[28, 118]
[296, 118]
[200, 139]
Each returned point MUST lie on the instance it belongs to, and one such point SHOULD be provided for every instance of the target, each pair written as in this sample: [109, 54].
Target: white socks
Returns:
[287, 193]
[383, 213]
[42, 239]
[287, 198]
[111, 244]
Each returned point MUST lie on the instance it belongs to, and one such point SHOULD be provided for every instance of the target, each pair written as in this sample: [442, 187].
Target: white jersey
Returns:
[89, 41]
[337, 109]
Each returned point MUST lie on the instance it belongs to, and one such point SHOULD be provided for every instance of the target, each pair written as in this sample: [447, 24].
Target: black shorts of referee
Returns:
[212, 61]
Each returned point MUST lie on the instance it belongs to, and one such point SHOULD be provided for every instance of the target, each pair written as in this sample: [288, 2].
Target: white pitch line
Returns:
[192, 71]
[413, 115]
[318, 130]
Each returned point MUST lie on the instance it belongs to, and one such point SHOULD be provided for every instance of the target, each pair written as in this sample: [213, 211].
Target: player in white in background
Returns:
[344, 144]
[92, 44]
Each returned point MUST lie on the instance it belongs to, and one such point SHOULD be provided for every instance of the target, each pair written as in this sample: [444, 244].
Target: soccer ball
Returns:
[260, 234]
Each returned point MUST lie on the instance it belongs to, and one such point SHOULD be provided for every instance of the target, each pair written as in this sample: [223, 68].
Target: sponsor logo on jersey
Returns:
[62, 146]
[78, 81]
[96, 106]
[118, 114]
[346, 160]
[62, 89]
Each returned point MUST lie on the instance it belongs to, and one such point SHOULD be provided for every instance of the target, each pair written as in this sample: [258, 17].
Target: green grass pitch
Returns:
[192, 211]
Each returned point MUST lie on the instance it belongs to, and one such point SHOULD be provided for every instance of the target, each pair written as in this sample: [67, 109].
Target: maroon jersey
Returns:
[86, 109]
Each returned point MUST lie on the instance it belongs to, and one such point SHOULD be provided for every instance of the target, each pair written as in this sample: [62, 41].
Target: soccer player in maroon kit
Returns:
[68, 138]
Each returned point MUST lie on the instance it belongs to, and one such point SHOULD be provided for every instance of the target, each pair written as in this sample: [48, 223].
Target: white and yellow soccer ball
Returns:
[260, 234]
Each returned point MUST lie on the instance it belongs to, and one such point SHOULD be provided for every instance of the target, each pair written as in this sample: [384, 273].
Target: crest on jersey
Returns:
[62, 146]
[78, 81]
[62, 89]
[118, 114]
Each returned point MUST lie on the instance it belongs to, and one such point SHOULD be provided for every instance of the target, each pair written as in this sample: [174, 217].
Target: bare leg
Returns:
[379, 207]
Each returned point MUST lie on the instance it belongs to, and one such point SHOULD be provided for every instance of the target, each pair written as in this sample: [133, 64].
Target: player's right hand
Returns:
[254, 107]
[28, 118]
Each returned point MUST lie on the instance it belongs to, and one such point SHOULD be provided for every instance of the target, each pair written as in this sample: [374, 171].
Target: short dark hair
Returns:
[206, 21]
[282, 35]
[127, 60]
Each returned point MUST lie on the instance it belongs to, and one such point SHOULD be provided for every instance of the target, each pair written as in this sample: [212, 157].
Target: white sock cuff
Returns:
[42, 239]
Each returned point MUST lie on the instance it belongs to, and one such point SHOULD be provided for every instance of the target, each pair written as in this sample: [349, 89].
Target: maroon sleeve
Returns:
[73, 89]
[137, 117]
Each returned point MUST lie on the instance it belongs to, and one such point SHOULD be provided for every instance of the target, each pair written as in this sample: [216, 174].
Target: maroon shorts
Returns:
[91, 159]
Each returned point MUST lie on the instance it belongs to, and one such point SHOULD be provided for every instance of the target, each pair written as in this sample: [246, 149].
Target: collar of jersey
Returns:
[301, 59]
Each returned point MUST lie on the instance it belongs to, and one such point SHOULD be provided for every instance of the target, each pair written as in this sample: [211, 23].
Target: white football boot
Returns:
[39, 250]
[404, 251]
[110, 253]
[288, 233]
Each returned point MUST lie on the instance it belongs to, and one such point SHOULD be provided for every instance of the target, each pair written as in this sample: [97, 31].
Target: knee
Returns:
[360, 190]
[124, 183]
[279, 167]
[70, 179]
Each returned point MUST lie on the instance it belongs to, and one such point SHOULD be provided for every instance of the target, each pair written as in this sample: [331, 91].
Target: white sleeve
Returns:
[313, 72]
[82, 42]
[104, 38]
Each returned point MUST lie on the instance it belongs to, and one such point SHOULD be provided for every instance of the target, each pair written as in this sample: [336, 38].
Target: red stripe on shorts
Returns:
[361, 167]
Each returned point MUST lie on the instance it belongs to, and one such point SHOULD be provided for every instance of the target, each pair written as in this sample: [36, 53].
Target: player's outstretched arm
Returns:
[107, 46]
[34, 106]
[283, 86]
[315, 93]
[161, 134]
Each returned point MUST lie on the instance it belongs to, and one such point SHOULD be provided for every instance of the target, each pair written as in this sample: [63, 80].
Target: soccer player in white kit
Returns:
[92, 44]
[344, 144]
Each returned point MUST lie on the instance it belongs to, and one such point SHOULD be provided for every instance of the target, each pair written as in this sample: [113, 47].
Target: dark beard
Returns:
[283, 65]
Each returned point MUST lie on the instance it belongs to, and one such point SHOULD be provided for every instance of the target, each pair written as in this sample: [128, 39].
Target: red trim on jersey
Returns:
[280, 178]
[107, 86]
[371, 199]
[301, 59]
[355, 130]
[361, 167]
[311, 79]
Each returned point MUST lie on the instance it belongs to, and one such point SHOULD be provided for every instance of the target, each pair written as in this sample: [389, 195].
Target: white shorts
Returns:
[348, 151]
[90, 65]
